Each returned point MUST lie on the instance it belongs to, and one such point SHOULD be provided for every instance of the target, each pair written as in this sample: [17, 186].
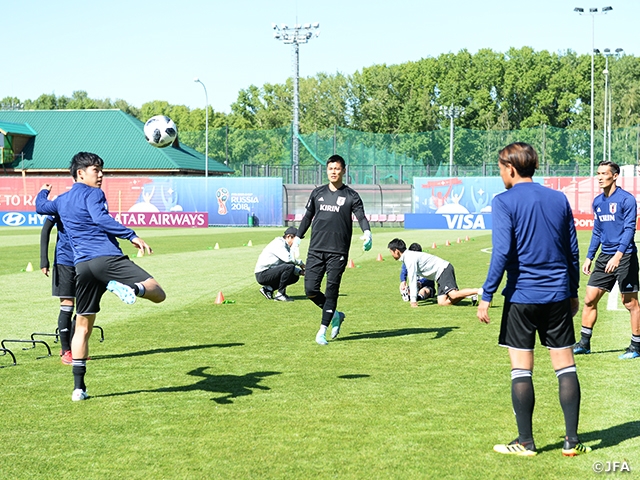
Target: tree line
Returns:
[519, 89]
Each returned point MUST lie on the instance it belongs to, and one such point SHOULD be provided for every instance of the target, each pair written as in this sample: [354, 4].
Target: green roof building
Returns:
[44, 141]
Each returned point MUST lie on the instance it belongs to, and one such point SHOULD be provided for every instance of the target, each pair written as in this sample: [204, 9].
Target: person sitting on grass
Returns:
[433, 268]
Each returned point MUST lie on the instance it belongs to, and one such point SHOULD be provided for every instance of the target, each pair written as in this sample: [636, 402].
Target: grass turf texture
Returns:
[190, 389]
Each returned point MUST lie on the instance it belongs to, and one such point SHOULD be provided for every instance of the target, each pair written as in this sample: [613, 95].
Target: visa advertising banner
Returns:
[158, 201]
[465, 203]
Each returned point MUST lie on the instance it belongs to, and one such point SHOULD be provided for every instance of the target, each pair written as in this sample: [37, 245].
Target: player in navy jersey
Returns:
[329, 212]
[99, 262]
[534, 241]
[63, 280]
[614, 227]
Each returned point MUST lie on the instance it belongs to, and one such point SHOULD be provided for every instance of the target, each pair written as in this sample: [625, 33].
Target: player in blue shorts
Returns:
[534, 241]
[614, 227]
[63, 280]
[99, 262]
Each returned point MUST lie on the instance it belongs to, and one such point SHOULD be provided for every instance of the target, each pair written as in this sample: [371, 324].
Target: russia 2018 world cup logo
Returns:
[222, 194]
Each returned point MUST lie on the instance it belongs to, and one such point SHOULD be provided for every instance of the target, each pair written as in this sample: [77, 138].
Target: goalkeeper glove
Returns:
[367, 240]
[295, 248]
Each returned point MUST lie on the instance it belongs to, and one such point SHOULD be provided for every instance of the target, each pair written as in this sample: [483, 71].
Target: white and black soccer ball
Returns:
[160, 131]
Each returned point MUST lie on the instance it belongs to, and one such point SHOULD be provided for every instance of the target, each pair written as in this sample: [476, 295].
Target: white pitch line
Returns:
[487, 250]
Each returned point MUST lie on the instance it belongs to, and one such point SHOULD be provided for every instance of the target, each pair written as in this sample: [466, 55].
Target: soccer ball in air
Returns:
[160, 131]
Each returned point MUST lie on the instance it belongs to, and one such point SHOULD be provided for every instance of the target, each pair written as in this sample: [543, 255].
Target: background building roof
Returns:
[112, 134]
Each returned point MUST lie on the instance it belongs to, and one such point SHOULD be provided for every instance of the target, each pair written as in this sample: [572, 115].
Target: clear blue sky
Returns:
[151, 50]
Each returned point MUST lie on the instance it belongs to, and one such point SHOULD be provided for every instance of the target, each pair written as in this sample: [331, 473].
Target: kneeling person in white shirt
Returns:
[277, 268]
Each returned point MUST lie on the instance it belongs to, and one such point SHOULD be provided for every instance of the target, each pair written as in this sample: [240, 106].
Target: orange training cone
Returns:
[219, 298]
[434, 245]
[458, 240]
[467, 238]
[380, 259]
[351, 264]
[447, 244]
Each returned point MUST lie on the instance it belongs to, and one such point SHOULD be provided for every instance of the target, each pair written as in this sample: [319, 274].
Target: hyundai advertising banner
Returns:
[158, 201]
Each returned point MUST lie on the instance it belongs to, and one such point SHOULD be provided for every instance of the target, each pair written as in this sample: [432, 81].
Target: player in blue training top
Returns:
[534, 241]
[63, 280]
[329, 212]
[614, 227]
[99, 262]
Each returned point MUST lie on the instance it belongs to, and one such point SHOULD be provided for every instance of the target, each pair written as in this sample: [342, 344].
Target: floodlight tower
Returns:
[295, 36]
[451, 112]
[607, 103]
[593, 12]
[206, 127]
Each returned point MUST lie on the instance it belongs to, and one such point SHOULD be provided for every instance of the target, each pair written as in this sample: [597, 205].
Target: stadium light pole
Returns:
[607, 103]
[451, 112]
[593, 12]
[206, 128]
[296, 35]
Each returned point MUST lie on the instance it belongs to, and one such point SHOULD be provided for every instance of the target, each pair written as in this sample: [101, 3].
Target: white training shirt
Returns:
[276, 253]
[421, 264]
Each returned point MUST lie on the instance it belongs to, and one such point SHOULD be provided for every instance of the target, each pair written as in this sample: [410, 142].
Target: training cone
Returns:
[217, 247]
[140, 253]
[380, 259]
[458, 240]
[219, 298]
[29, 267]
[467, 238]
[351, 264]
[250, 244]
[434, 245]
[447, 243]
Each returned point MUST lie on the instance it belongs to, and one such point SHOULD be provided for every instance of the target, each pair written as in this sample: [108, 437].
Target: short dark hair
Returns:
[82, 160]
[397, 244]
[615, 168]
[337, 159]
[522, 156]
[416, 247]
[291, 231]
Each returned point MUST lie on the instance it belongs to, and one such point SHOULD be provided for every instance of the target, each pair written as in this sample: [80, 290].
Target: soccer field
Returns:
[191, 389]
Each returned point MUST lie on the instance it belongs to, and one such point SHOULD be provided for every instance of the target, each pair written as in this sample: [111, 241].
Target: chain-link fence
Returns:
[385, 158]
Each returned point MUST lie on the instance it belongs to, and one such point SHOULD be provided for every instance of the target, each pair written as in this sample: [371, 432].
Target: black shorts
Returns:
[447, 281]
[626, 274]
[552, 321]
[93, 276]
[63, 281]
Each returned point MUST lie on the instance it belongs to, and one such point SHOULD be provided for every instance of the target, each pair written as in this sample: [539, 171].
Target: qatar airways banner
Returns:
[159, 201]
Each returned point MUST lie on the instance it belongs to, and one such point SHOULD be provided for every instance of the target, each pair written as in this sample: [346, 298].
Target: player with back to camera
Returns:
[277, 268]
[99, 262]
[63, 280]
[328, 213]
[535, 243]
[426, 288]
[614, 228]
[429, 266]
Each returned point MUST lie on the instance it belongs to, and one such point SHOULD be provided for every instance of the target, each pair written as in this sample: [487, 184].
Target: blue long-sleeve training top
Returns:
[92, 232]
[535, 242]
[614, 223]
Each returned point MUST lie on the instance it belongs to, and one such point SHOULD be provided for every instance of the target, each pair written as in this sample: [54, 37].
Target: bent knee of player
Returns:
[153, 291]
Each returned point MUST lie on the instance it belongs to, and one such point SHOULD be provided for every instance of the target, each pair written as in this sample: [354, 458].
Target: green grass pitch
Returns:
[191, 389]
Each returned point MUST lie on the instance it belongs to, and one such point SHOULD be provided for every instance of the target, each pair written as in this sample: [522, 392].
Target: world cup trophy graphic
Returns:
[222, 194]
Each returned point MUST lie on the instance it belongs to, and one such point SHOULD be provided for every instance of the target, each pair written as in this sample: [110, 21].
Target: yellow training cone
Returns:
[217, 247]
[250, 244]
[140, 253]
[29, 267]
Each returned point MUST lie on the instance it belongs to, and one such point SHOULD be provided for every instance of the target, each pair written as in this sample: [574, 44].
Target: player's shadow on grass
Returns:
[608, 437]
[231, 386]
[166, 350]
[440, 332]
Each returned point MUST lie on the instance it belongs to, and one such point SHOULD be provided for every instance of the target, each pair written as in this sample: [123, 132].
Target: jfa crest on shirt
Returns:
[341, 201]
[613, 208]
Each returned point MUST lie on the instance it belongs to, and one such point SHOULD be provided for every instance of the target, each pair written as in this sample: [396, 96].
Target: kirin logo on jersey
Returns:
[613, 208]
[341, 201]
